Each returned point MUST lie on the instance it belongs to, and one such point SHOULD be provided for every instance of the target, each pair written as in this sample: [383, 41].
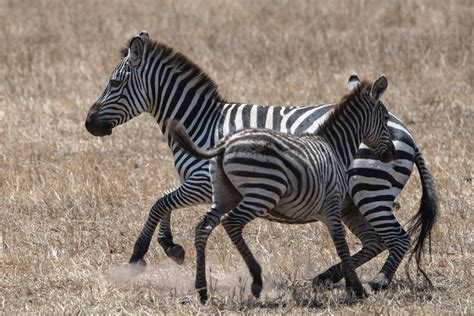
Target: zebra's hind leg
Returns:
[165, 239]
[372, 245]
[202, 232]
[225, 197]
[234, 223]
[398, 242]
[378, 211]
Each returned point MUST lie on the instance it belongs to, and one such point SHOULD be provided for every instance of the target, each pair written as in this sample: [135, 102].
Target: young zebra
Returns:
[290, 178]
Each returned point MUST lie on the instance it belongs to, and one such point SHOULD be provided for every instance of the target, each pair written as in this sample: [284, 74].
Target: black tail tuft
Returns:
[422, 223]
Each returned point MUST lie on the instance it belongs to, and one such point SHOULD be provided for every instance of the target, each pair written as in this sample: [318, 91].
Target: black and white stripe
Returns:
[290, 178]
[153, 78]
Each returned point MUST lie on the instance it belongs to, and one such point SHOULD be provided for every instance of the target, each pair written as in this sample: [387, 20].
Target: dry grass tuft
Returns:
[71, 205]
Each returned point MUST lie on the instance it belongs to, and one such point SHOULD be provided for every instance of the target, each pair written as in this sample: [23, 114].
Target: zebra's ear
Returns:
[353, 83]
[135, 50]
[144, 36]
[379, 86]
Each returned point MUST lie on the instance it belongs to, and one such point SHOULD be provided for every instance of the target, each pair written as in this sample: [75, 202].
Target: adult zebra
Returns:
[152, 77]
[292, 179]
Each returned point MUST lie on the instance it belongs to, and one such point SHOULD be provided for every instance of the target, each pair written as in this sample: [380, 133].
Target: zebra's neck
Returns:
[180, 90]
[343, 131]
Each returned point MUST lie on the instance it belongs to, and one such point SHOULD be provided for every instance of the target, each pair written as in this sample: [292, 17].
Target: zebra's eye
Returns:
[115, 83]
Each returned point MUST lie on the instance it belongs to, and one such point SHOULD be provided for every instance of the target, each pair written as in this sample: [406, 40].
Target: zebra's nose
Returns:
[96, 127]
[91, 122]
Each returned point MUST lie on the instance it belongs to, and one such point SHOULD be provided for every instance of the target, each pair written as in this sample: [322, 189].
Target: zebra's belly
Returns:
[297, 211]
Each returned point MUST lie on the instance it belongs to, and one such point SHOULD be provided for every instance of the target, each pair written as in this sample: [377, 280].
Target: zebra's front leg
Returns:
[336, 230]
[183, 196]
[203, 230]
[372, 245]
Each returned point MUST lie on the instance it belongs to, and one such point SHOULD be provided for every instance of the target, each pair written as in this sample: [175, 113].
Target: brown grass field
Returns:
[71, 204]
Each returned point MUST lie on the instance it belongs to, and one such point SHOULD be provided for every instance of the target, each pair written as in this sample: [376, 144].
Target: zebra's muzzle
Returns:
[96, 127]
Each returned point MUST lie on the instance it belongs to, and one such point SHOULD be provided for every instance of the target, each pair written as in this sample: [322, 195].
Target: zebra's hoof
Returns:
[322, 280]
[355, 293]
[177, 253]
[139, 262]
[360, 292]
[256, 290]
[203, 296]
[380, 282]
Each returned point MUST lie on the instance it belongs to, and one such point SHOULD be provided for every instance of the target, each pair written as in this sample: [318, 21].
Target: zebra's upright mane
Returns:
[342, 105]
[179, 60]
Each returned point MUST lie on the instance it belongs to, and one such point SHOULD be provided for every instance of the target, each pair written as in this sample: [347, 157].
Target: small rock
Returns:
[185, 300]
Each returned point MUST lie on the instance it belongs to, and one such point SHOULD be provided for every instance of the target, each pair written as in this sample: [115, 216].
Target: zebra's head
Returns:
[376, 134]
[119, 102]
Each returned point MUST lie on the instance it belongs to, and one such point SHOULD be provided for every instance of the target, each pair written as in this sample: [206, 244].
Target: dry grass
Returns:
[71, 205]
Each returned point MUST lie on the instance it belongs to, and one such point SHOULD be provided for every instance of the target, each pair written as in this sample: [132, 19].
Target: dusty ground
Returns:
[71, 205]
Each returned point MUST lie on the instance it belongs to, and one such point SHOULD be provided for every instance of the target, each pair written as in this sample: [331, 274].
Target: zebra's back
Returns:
[297, 120]
[294, 173]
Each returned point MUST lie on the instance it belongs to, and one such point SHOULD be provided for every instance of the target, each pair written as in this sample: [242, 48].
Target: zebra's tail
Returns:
[180, 136]
[422, 223]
